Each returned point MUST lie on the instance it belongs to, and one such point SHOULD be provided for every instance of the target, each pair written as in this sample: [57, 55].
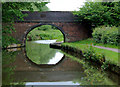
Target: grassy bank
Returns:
[45, 33]
[93, 52]
[94, 75]
[90, 41]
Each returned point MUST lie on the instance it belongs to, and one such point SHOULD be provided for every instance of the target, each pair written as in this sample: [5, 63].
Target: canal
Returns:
[38, 64]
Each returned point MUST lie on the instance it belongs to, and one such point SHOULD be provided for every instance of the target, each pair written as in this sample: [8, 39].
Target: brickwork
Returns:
[21, 30]
[71, 30]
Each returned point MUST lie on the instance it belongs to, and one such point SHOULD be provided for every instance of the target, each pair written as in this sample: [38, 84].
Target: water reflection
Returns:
[58, 56]
[16, 69]
[42, 53]
[94, 75]
[7, 71]
[45, 41]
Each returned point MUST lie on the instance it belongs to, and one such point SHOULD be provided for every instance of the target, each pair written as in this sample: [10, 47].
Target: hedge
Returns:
[106, 35]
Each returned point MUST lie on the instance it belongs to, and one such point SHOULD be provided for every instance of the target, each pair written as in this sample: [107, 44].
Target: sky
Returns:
[65, 5]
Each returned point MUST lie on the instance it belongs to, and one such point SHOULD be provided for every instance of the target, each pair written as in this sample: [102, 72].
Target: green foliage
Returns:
[93, 75]
[7, 40]
[7, 71]
[89, 53]
[44, 27]
[12, 11]
[109, 55]
[90, 41]
[45, 32]
[8, 68]
[106, 35]
[105, 65]
[99, 13]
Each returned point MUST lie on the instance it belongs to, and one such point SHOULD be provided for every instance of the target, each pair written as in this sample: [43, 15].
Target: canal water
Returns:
[37, 64]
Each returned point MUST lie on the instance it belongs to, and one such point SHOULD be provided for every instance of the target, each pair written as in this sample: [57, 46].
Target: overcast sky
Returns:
[65, 5]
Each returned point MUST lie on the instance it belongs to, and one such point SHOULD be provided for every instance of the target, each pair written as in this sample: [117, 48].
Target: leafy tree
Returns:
[95, 14]
[12, 11]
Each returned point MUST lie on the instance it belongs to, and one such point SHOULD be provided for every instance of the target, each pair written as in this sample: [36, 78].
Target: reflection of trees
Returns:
[7, 70]
[39, 53]
[93, 76]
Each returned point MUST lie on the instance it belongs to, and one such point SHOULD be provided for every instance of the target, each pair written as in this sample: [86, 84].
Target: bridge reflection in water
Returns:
[35, 66]
[32, 68]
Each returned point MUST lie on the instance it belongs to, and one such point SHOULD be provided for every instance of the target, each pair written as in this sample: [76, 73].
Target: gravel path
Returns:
[112, 49]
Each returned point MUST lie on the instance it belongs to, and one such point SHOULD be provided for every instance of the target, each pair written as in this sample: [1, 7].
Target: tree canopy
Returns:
[12, 11]
[99, 13]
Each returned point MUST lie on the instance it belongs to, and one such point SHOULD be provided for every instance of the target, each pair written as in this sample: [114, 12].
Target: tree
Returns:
[99, 13]
[12, 11]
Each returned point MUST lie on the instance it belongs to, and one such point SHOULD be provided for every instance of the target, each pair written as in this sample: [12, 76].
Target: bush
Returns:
[8, 40]
[106, 35]
[90, 53]
[32, 37]
[45, 32]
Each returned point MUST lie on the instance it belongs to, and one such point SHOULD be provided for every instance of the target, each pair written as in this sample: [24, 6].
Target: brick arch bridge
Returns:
[63, 20]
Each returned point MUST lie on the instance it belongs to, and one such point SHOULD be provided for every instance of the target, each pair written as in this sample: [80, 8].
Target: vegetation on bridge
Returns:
[92, 14]
[12, 11]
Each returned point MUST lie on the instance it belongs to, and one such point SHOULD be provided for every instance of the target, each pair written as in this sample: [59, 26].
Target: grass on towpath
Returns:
[109, 55]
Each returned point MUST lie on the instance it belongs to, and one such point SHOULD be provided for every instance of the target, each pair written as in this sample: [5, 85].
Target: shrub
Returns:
[90, 53]
[106, 35]
[8, 40]
[105, 65]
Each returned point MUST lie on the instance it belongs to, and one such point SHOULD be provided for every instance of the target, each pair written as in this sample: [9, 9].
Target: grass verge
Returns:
[110, 56]
[91, 41]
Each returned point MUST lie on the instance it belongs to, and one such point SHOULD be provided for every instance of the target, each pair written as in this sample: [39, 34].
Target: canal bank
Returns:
[101, 61]
[38, 64]
[68, 70]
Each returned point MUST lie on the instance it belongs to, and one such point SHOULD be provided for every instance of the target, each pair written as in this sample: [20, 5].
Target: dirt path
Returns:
[112, 49]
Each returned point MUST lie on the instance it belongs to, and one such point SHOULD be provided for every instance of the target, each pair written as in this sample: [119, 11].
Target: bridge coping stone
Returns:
[48, 16]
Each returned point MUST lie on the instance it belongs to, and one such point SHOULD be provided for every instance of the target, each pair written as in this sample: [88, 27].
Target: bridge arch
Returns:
[64, 21]
[38, 25]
